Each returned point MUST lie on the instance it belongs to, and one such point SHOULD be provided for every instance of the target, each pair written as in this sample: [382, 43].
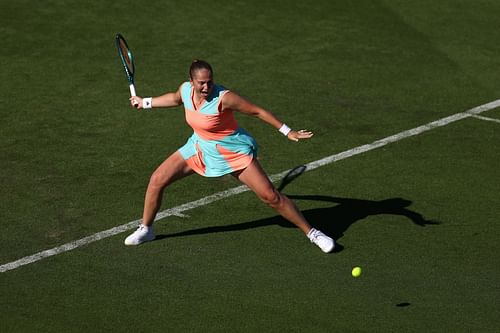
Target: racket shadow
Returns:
[291, 176]
[334, 220]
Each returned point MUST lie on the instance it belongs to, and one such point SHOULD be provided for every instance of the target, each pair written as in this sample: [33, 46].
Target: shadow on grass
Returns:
[334, 220]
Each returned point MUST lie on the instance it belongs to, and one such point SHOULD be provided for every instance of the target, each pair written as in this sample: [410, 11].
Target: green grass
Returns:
[75, 160]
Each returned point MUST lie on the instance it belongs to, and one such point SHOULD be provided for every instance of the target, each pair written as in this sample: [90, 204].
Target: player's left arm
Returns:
[237, 103]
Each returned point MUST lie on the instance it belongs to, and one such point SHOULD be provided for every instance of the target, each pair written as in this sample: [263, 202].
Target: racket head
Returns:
[126, 57]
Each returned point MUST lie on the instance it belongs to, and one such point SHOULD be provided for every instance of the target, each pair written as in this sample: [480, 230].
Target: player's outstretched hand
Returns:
[299, 135]
[136, 102]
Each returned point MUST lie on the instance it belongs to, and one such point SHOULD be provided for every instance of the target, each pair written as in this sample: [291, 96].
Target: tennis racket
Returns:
[128, 62]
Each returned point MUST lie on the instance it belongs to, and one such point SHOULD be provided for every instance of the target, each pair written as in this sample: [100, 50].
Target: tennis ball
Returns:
[356, 272]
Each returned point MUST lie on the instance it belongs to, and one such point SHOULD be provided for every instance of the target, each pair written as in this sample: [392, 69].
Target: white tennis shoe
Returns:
[141, 235]
[325, 243]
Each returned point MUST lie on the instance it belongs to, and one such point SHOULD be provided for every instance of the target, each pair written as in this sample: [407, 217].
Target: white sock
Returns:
[309, 234]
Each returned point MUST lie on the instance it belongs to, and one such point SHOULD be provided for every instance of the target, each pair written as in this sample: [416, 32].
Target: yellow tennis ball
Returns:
[356, 272]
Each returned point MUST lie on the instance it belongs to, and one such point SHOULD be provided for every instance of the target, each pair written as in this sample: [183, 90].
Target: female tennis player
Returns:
[217, 147]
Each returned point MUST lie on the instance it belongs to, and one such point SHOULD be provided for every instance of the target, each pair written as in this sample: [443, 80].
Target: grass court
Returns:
[420, 215]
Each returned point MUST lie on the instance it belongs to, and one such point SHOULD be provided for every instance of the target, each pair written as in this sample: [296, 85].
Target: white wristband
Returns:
[147, 103]
[284, 129]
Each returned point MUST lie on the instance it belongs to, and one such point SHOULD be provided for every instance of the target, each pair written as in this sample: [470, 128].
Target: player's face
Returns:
[202, 82]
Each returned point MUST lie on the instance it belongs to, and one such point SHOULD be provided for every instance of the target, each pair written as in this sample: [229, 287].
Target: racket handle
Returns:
[132, 92]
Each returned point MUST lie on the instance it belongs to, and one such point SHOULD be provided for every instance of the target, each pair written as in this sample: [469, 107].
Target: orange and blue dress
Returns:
[217, 146]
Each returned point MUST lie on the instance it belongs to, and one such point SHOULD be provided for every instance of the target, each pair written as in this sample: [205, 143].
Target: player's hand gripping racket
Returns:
[128, 62]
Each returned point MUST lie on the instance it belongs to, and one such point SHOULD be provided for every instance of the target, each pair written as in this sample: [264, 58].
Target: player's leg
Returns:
[172, 169]
[256, 179]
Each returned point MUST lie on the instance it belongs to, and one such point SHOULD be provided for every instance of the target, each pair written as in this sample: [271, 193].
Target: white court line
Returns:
[487, 119]
[177, 211]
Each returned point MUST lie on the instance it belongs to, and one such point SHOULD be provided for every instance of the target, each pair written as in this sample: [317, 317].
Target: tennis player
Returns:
[217, 147]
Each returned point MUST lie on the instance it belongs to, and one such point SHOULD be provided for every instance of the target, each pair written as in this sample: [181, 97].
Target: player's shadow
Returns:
[334, 220]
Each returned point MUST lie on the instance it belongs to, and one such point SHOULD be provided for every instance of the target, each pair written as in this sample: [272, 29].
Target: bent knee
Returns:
[158, 180]
[271, 197]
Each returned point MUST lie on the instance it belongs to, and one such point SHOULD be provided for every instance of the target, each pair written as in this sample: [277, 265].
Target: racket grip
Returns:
[132, 90]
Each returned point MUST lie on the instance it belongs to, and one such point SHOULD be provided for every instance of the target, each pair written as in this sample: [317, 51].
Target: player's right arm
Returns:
[169, 99]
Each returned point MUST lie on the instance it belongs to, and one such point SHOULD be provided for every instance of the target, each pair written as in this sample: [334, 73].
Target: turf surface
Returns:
[420, 216]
